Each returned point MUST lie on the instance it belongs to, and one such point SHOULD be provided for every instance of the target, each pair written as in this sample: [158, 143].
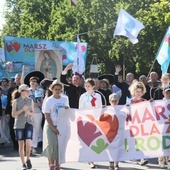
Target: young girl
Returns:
[114, 100]
[37, 94]
[50, 132]
[137, 90]
[90, 99]
[22, 111]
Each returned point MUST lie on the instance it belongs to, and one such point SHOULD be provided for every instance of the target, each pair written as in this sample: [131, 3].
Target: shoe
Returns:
[53, 167]
[33, 151]
[162, 162]
[168, 168]
[111, 168]
[58, 168]
[134, 161]
[29, 165]
[24, 167]
[143, 162]
[92, 165]
[116, 167]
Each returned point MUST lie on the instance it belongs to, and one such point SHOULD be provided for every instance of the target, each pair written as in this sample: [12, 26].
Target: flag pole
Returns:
[151, 68]
[124, 59]
[124, 66]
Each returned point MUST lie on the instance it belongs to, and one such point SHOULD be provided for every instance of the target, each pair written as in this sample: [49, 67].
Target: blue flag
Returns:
[163, 55]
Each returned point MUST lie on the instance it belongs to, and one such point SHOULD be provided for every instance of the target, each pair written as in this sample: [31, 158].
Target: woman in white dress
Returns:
[90, 99]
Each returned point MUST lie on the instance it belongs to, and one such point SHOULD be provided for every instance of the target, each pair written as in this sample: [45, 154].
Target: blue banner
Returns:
[19, 51]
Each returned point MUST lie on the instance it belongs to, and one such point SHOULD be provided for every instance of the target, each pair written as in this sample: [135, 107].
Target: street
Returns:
[9, 160]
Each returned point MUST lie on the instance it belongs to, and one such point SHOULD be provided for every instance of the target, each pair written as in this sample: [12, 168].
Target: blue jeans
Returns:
[26, 133]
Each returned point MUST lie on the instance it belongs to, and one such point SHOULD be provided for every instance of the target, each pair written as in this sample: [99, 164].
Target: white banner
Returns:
[104, 135]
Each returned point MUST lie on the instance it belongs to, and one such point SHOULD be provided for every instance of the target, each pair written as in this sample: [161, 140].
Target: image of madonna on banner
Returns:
[48, 62]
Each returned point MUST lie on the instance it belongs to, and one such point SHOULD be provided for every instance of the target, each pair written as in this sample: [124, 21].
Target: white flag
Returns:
[79, 64]
[128, 26]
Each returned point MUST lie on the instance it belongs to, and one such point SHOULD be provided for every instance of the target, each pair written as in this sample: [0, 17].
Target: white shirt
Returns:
[52, 106]
[85, 101]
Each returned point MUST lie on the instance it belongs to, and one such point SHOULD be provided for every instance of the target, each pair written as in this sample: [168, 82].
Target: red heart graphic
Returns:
[108, 125]
[16, 46]
[9, 47]
[83, 48]
[87, 131]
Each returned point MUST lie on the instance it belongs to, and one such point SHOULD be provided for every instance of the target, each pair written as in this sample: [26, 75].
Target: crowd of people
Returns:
[29, 110]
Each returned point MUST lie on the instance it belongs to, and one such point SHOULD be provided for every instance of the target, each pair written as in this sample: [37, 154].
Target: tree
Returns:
[95, 22]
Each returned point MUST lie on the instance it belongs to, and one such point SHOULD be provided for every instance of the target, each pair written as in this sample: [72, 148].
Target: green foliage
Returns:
[95, 22]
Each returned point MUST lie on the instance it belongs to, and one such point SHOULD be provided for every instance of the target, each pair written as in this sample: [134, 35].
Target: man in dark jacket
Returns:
[73, 90]
[124, 85]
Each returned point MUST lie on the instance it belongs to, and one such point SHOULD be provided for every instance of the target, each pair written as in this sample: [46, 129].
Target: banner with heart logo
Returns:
[98, 135]
[94, 132]
[22, 51]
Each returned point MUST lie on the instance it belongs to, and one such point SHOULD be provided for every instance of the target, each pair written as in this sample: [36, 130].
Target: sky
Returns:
[2, 21]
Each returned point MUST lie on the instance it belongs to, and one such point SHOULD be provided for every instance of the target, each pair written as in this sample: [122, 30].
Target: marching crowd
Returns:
[29, 107]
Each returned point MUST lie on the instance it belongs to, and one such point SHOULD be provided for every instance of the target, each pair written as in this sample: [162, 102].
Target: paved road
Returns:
[9, 160]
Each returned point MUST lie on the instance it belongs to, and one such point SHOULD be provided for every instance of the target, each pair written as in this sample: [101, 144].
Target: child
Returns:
[137, 90]
[22, 111]
[114, 100]
[90, 99]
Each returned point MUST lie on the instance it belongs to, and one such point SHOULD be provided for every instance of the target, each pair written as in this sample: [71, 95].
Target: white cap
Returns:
[23, 87]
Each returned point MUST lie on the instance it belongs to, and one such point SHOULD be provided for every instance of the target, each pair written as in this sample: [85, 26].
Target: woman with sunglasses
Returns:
[22, 111]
